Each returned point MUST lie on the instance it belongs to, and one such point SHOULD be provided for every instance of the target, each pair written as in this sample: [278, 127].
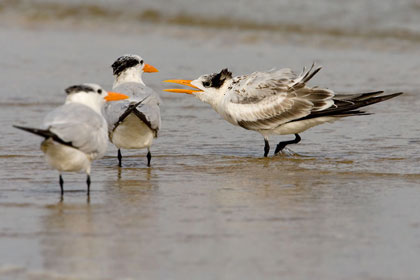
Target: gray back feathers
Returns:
[266, 100]
[79, 125]
[149, 107]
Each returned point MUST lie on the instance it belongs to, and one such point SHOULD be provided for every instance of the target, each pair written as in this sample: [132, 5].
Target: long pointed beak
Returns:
[180, 90]
[114, 96]
[149, 68]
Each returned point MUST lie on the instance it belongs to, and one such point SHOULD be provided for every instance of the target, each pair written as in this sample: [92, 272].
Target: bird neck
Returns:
[133, 74]
[89, 100]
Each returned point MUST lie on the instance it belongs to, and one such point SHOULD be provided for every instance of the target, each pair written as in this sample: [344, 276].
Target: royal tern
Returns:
[133, 123]
[76, 133]
[276, 102]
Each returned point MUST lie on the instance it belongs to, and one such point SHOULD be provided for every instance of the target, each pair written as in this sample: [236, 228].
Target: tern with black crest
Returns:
[135, 122]
[76, 133]
[277, 102]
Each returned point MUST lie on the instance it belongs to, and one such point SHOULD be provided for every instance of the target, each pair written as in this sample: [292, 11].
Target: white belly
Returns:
[65, 158]
[300, 126]
[132, 133]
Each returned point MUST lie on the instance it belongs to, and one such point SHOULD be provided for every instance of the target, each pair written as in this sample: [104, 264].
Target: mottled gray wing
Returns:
[80, 125]
[265, 100]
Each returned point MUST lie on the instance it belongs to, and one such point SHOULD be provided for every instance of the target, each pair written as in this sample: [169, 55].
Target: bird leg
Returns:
[283, 144]
[119, 157]
[149, 157]
[88, 184]
[266, 147]
[61, 185]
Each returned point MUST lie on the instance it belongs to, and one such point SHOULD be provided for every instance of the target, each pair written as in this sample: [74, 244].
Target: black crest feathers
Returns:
[78, 88]
[124, 62]
[218, 79]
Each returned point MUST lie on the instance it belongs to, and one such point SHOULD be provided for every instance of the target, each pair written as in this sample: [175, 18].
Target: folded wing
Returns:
[143, 102]
[79, 125]
[266, 100]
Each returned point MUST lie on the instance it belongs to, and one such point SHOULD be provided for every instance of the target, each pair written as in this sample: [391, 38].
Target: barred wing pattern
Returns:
[266, 100]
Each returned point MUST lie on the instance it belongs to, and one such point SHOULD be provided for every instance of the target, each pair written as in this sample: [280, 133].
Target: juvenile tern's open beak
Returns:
[180, 90]
[149, 68]
[114, 96]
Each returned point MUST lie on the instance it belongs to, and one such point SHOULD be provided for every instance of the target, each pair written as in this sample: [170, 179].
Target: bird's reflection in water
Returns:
[91, 237]
[68, 231]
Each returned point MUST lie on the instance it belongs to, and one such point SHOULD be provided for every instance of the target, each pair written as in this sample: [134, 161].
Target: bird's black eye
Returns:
[141, 62]
[99, 91]
[206, 83]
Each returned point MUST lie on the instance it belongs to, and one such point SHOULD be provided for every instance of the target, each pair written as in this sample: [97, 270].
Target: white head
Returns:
[91, 95]
[129, 68]
[210, 88]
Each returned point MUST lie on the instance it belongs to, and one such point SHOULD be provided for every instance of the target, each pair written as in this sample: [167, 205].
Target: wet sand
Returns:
[344, 205]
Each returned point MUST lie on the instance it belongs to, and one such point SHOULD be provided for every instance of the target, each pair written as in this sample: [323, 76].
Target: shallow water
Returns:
[343, 205]
[373, 18]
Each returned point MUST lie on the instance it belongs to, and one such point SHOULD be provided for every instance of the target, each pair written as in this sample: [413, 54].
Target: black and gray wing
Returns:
[143, 102]
[349, 104]
[79, 126]
[266, 100]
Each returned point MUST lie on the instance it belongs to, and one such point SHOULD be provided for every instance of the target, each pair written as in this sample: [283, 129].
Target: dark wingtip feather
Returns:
[369, 94]
[389, 96]
[349, 107]
[376, 99]
[310, 75]
[131, 109]
[44, 133]
[352, 113]
[40, 132]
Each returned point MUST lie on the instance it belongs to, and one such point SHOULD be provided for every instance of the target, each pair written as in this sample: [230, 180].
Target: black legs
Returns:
[149, 157]
[61, 185]
[280, 145]
[119, 157]
[88, 184]
[283, 144]
[266, 147]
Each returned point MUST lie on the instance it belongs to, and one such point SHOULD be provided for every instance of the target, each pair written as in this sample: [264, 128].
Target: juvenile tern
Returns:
[76, 133]
[276, 102]
[135, 122]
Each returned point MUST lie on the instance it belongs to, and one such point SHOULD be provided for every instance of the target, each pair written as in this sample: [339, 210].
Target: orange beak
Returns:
[147, 68]
[180, 90]
[114, 96]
